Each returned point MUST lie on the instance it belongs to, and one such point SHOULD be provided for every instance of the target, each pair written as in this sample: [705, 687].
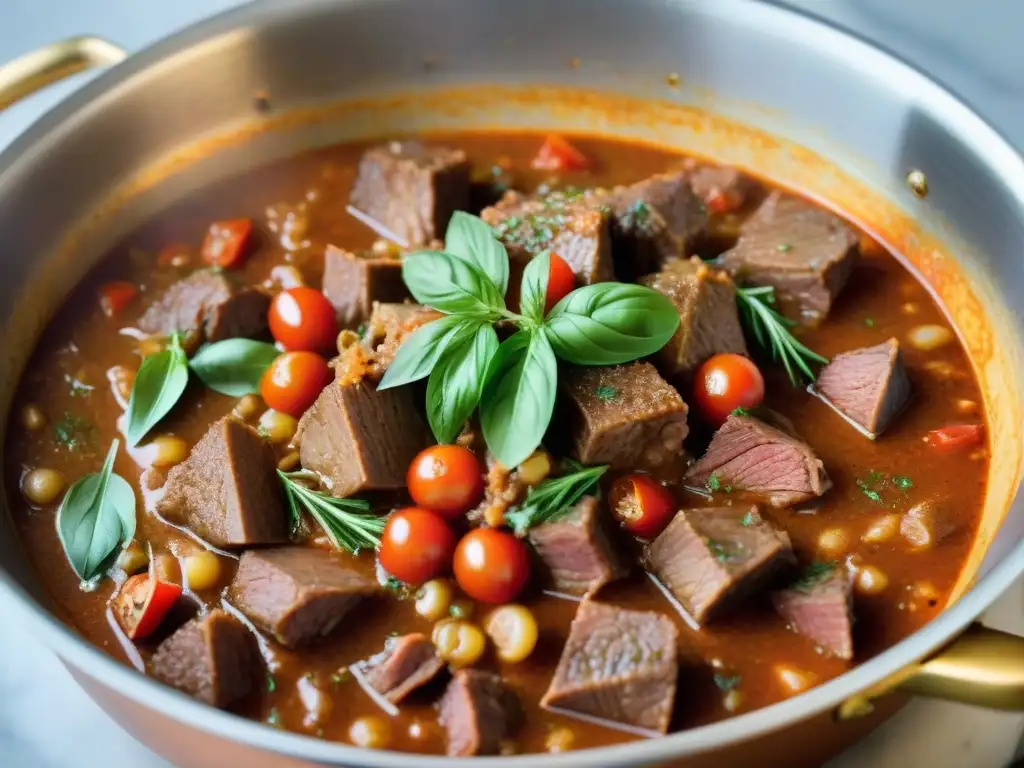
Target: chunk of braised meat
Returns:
[619, 665]
[868, 386]
[406, 663]
[227, 491]
[722, 189]
[412, 189]
[712, 558]
[297, 594]
[746, 454]
[355, 281]
[391, 324]
[213, 658]
[819, 606]
[478, 711]
[210, 305]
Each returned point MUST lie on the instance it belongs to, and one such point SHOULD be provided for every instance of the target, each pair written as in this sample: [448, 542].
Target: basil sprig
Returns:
[233, 367]
[96, 516]
[514, 384]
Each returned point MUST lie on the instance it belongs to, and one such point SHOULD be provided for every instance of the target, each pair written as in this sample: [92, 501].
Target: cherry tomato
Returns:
[303, 318]
[558, 155]
[642, 505]
[116, 295]
[143, 602]
[491, 566]
[956, 437]
[447, 479]
[416, 545]
[723, 201]
[561, 281]
[225, 242]
[724, 383]
[294, 381]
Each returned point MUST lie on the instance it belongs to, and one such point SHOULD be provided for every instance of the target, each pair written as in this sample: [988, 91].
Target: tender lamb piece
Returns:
[360, 438]
[623, 415]
[405, 664]
[711, 558]
[868, 386]
[391, 324]
[619, 665]
[412, 189]
[577, 549]
[478, 711]
[819, 606]
[227, 491]
[803, 251]
[723, 189]
[209, 304]
[749, 455]
[709, 322]
[297, 594]
[355, 281]
[213, 658]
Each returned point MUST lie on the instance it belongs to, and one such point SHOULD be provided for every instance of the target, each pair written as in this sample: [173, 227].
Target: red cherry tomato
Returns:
[294, 381]
[143, 602]
[416, 545]
[116, 295]
[447, 479]
[303, 318]
[724, 383]
[956, 437]
[491, 566]
[723, 201]
[558, 155]
[642, 505]
[225, 242]
[561, 281]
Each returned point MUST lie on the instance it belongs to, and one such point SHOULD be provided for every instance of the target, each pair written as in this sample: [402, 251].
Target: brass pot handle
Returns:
[983, 666]
[38, 69]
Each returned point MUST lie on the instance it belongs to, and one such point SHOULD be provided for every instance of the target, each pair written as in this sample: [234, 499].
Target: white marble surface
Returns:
[974, 47]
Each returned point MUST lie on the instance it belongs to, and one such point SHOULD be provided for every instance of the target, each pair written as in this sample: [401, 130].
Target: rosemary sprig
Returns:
[345, 521]
[771, 330]
[553, 498]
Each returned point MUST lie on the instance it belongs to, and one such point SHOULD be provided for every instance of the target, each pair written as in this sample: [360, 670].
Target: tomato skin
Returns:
[724, 383]
[143, 602]
[642, 505]
[225, 242]
[956, 437]
[116, 295]
[491, 565]
[174, 255]
[294, 381]
[561, 281]
[558, 155]
[416, 545]
[302, 318]
[447, 479]
[720, 201]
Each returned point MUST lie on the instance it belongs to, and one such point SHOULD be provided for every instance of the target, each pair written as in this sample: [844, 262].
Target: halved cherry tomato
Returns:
[642, 505]
[116, 295]
[174, 255]
[956, 437]
[491, 566]
[416, 545]
[225, 242]
[558, 155]
[561, 281]
[143, 602]
[724, 383]
[447, 479]
[294, 381]
[303, 318]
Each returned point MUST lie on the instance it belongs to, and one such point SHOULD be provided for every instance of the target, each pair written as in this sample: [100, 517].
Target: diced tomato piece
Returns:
[116, 295]
[143, 602]
[956, 437]
[558, 155]
[174, 255]
[719, 201]
[561, 281]
[225, 242]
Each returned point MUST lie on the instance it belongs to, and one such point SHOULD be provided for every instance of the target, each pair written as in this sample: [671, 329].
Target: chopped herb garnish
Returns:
[870, 492]
[726, 489]
[772, 332]
[73, 432]
[553, 498]
[902, 482]
[725, 551]
[740, 411]
[814, 574]
[747, 520]
[869, 322]
[345, 521]
[713, 483]
[727, 683]
[784, 247]
[607, 392]
[361, 330]
[271, 683]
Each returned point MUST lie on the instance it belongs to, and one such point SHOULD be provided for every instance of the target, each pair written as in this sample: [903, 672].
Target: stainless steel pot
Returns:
[742, 82]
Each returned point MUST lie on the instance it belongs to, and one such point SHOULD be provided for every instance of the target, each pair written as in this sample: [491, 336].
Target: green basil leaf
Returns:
[451, 285]
[420, 352]
[534, 291]
[457, 381]
[610, 323]
[158, 385]
[519, 396]
[233, 366]
[95, 517]
[472, 240]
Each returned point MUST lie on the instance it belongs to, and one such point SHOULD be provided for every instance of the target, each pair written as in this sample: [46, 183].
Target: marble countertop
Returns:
[974, 48]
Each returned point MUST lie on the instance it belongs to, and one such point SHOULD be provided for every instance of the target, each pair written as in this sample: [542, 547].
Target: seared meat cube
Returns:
[577, 550]
[868, 386]
[711, 558]
[623, 415]
[618, 665]
[227, 491]
[405, 664]
[478, 711]
[297, 594]
[360, 438]
[709, 322]
[208, 303]
[748, 455]
[354, 281]
[213, 658]
[804, 252]
[391, 324]
[820, 607]
[723, 189]
[412, 189]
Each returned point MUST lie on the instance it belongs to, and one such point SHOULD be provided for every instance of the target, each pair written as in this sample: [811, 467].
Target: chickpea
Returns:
[871, 581]
[513, 630]
[385, 249]
[202, 570]
[33, 418]
[459, 642]
[151, 345]
[833, 542]
[560, 739]
[43, 486]
[167, 450]
[882, 529]
[966, 406]
[289, 462]
[167, 567]
[370, 732]
[433, 599]
[248, 406]
[794, 680]
[278, 427]
[929, 337]
[535, 468]
[911, 308]
[733, 700]
[133, 558]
